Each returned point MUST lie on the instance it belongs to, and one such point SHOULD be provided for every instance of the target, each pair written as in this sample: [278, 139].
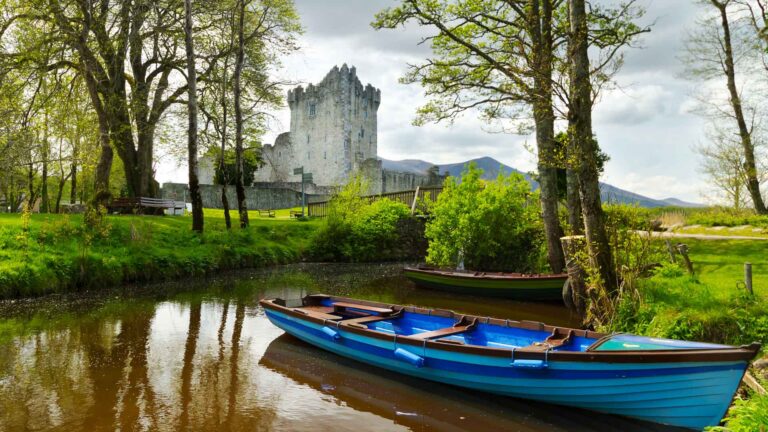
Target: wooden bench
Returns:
[144, 205]
[266, 213]
[295, 214]
[460, 327]
[343, 306]
[558, 338]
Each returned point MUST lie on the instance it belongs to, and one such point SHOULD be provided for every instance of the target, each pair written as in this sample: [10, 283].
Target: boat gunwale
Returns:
[727, 353]
[514, 277]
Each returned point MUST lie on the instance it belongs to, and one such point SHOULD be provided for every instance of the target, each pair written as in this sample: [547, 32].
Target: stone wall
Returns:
[256, 197]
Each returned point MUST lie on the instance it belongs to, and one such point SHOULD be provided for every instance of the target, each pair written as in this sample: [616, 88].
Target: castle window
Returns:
[279, 154]
[307, 139]
[365, 113]
[307, 155]
[325, 155]
[362, 133]
[312, 109]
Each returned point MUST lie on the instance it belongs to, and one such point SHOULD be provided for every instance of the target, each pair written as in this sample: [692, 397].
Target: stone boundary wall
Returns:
[255, 197]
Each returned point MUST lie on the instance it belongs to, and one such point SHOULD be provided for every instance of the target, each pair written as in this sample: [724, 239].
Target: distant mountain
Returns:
[491, 168]
[680, 203]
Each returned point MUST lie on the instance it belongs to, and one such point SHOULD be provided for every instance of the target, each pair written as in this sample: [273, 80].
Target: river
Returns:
[201, 355]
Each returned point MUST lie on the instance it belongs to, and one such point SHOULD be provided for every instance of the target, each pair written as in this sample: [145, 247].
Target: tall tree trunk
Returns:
[73, 168]
[573, 202]
[44, 198]
[242, 207]
[194, 181]
[45, 150]
[540, 24]
[750, 167]
[583, 148]
[222, 165]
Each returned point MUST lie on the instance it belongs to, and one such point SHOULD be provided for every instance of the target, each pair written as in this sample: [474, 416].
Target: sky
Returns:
[646, 125]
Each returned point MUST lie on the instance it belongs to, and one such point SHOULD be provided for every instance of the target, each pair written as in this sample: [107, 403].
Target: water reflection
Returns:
[203, 357]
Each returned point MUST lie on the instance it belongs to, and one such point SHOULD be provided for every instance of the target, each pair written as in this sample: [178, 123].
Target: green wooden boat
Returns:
[509, 285]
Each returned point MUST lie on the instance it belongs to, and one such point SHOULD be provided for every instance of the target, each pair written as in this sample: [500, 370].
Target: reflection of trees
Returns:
[189, 354]
[108, 360]
[233, 363]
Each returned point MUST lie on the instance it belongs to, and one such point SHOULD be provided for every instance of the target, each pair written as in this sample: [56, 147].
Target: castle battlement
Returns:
[338, 82]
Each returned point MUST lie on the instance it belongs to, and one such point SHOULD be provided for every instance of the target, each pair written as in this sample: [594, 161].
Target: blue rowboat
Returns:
[679, 383]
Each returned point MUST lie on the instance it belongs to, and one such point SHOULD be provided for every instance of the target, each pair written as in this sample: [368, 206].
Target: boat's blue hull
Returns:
[687, 394]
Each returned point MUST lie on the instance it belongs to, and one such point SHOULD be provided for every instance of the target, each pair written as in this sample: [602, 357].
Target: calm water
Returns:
[202, 356]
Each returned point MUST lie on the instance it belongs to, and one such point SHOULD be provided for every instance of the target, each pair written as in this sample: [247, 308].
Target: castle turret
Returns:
[333, 125]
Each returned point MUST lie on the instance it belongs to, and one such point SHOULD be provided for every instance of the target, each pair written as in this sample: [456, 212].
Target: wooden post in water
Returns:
[575, 290]
[748, 277]
[683, 249]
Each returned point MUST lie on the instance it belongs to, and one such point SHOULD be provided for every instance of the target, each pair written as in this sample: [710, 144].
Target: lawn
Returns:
[53, 253]
[720, 264]
[710, 306]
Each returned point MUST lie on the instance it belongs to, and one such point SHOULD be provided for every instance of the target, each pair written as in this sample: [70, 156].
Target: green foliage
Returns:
[491, 225]
[357, 230]
[63, 253]
[251, 162]
[748, 415]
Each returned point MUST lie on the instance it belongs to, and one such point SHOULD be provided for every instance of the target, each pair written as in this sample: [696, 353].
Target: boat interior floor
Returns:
[360, 316]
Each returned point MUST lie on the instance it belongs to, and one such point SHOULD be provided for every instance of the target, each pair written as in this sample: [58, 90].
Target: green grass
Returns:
[747, 231]
[711, 306]
[57, 253]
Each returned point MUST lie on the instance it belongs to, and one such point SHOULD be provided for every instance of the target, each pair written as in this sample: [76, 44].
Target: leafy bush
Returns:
[357, 230]
[492, 226]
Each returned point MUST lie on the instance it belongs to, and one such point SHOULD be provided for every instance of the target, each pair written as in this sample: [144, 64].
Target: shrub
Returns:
[492, 226]
[357, 230]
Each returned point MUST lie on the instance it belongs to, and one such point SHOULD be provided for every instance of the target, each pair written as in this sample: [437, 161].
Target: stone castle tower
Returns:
[333, 131]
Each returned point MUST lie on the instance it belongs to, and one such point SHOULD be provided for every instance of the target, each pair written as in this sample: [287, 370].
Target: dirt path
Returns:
[702, 236]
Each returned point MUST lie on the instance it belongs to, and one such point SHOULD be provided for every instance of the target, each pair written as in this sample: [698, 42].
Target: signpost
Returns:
[305, 178]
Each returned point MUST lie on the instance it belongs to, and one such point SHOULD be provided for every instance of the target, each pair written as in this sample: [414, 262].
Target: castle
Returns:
[333, 135]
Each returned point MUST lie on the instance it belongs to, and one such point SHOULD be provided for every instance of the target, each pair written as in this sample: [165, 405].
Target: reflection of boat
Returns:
[510, 285]
[420, 405]
[679, 383]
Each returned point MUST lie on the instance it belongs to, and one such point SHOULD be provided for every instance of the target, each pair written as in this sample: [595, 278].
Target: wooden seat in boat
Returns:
[362, 321]
[558, 338]
[317, 314]
[460, 327]
[342, 306]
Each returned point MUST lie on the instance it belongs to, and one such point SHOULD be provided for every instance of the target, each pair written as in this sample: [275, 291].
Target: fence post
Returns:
[415, 198]
[748, 277]
[671, 251]
[683, 249]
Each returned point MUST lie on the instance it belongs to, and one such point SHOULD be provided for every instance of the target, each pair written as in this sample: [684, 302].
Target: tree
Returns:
[583, 151]
[242, 208]
[498, 56]
[194, 181]
[712, 53]
[495, 56]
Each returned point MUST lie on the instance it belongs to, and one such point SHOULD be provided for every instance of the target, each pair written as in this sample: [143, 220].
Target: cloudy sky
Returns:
[645, 126]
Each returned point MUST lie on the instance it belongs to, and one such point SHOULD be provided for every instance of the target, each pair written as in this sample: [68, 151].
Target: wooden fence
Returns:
[321, 208]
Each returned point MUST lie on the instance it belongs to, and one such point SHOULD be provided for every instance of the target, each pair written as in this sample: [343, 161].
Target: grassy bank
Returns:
[710, 306]
[41, 254]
